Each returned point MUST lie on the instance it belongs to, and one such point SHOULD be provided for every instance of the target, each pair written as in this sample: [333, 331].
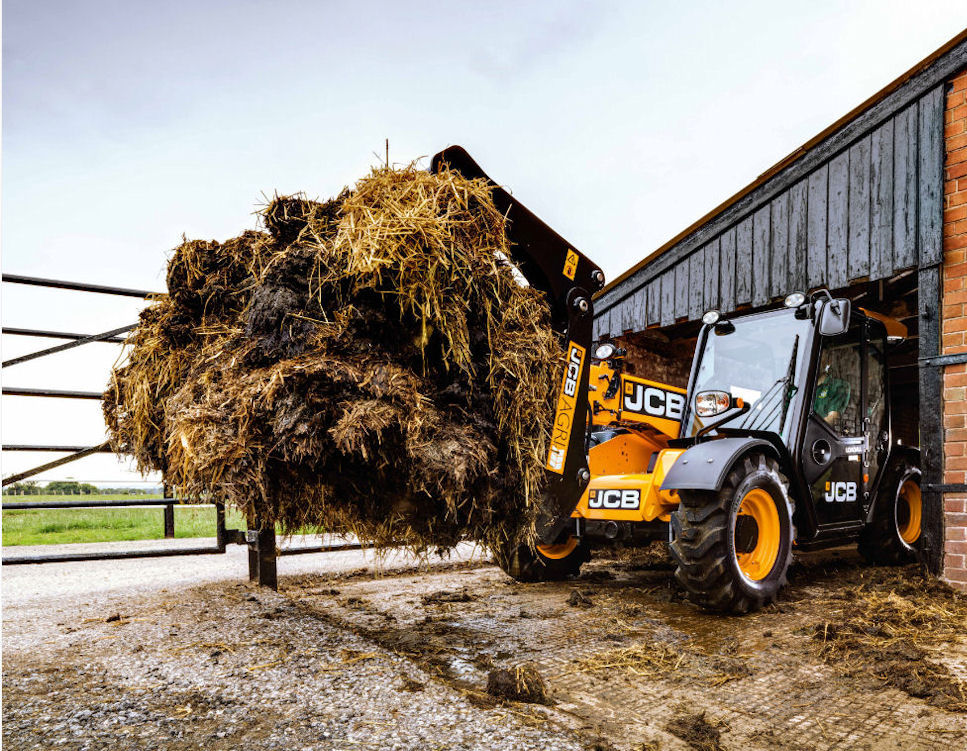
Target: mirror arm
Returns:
[746, 406]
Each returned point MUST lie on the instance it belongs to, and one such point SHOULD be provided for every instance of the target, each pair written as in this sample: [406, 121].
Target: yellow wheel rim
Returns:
[559, 551]
[909, 508]
[756, 563]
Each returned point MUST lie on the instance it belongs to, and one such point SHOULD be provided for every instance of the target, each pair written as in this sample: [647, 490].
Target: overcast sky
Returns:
[126, 124]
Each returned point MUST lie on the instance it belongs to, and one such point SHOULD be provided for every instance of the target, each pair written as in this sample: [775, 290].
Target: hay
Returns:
[370, 365]
[653, 658]
[894, 629]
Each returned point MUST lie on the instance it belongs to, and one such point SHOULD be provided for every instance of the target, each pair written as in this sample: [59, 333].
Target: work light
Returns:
[605, 351]
[711, 403]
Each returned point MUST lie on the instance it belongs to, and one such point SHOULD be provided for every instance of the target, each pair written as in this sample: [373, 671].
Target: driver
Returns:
[832, 396]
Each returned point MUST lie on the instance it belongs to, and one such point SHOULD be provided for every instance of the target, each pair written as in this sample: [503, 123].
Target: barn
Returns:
[874, 208]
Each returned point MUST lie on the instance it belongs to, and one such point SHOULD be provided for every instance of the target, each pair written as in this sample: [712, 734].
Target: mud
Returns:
[631, 667]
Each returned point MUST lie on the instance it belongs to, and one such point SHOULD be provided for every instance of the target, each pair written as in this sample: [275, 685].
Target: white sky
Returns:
[126, 124]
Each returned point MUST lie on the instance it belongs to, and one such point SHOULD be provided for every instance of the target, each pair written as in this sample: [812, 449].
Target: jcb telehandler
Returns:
[781, 442]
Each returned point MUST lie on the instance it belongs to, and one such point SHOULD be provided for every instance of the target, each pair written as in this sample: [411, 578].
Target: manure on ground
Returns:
[520, 683]
[891, 628]
[697, 731]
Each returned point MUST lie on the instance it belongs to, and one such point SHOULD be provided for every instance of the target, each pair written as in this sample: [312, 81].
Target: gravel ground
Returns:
[178, 654]
[182, 653]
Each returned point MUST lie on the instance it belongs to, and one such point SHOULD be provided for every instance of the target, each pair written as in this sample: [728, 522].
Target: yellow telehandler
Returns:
[782, 440]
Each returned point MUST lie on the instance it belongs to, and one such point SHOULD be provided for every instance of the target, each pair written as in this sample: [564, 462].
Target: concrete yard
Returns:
[180, 653]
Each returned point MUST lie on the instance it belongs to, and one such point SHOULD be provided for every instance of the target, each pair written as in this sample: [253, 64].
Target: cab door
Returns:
[834, 445]
[876, 427]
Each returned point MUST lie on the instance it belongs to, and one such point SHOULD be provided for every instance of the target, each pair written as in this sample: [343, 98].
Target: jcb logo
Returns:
[574, 359]
[840, 492]
[566, 404]
[649, 400]
[623, 499]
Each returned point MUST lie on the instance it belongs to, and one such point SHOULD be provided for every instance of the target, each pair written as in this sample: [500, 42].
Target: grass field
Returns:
[50, 526]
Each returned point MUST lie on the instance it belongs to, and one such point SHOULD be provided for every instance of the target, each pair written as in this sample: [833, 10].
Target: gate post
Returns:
[220, 532]
[169, 513]
[261, 553]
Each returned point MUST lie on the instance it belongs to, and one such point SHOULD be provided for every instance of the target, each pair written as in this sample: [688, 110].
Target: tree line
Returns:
[66, 487]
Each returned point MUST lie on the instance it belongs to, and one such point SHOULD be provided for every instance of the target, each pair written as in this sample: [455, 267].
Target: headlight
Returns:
[711, 317]
[605, 351]
[794, 300]
[711, 403]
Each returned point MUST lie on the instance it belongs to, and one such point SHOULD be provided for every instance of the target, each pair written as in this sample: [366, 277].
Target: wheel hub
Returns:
[908, 512]
[746, 533]
[756, 534]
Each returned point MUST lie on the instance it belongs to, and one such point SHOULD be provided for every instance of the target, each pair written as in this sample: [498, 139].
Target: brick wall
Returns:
[954, 330]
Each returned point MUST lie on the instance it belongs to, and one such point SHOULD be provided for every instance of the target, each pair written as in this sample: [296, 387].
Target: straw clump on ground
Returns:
[897, 628]
[368, 364]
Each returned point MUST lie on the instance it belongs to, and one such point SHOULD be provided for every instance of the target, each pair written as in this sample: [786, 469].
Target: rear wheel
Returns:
[893, 535]
[543, 562]
[733, 547]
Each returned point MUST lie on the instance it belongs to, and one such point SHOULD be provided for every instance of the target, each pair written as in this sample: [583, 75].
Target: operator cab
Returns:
[811, 379]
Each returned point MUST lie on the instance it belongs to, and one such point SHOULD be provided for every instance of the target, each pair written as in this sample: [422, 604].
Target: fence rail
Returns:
[37, 281]
[260, 538]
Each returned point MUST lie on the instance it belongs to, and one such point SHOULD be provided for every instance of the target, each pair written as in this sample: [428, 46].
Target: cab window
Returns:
[836, 397]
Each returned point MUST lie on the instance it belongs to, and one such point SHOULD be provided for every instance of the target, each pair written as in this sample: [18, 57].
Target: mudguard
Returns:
[705, 465]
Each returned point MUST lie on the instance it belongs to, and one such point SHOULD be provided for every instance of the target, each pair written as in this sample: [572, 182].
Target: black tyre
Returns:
[733, 547]
[893, 536]
[544, 562]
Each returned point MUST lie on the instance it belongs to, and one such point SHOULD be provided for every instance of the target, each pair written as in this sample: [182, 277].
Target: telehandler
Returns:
[781, 442]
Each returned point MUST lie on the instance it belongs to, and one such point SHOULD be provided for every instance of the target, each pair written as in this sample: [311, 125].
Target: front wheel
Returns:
[733, 547]
[543, 562]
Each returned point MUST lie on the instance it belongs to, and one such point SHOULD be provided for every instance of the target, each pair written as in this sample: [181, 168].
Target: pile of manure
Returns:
[897, 628]
[519, 683]
[371, 364]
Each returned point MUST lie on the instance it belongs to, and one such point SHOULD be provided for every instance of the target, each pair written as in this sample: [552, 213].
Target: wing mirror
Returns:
[834, 317]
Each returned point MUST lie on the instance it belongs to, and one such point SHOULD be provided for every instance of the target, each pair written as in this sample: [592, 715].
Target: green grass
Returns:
[94, 497]
[52, 526]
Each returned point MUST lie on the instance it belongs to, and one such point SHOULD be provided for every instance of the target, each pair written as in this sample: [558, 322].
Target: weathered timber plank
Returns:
[681, 289]
[779, 274]
[858, 245]
[881, 201]
[727, 270]
[711, 290]
[761, 260]
[931, 159]
[838, 222]
[743, 262]
[654, 301]
[905, 189]
[799, 168]
[668, 298]
[798, 236]
[816, 231]
[696, 284]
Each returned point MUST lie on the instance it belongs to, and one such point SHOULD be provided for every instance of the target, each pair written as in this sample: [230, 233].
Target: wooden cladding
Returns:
[843, 212]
